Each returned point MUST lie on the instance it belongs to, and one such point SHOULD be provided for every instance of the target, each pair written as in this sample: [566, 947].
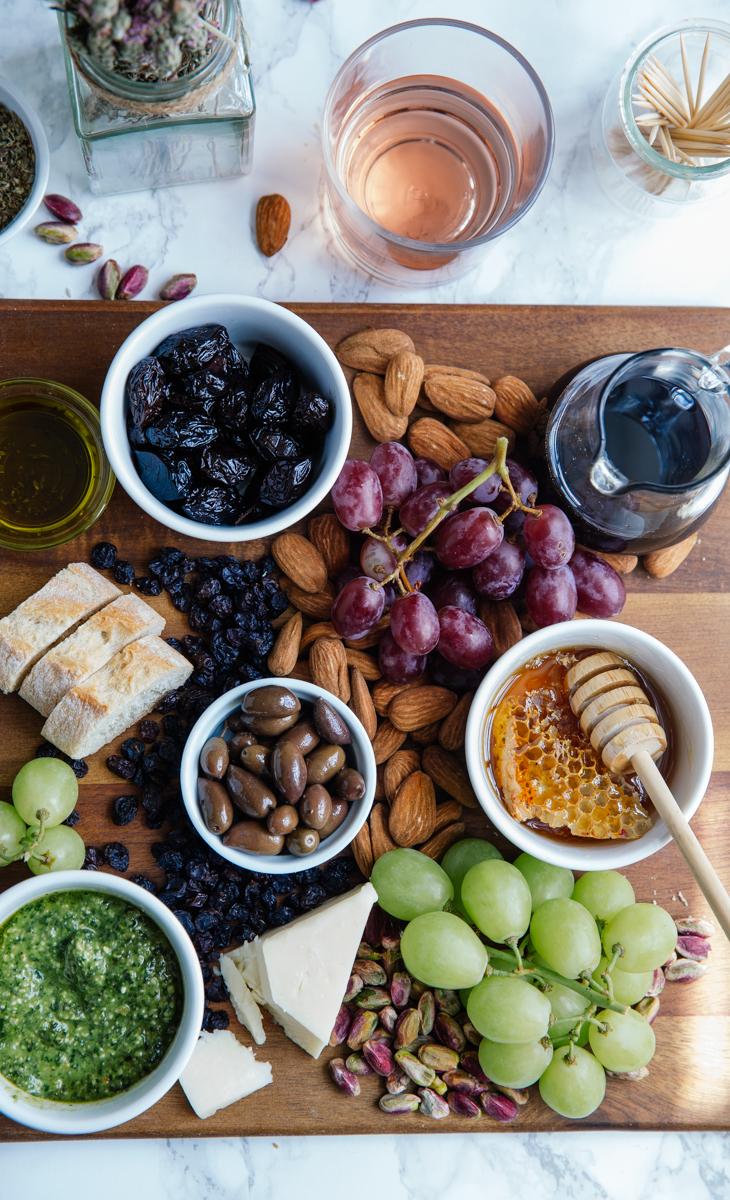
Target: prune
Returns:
[146, 385]
[156, 477]
[181, 474]
[211, 505]
[232, 410]
[182, 431]
[311, 414]
[78, 766]
[104, 556]
[116, 856]
[132, 749]
[190, 349]
[72, 819]
[204, 385]
[46, 750]
[137, 439]
[227, 467]
[120, 766]
[123, 571]
[124, 809]
[285, 482]
[145, 883]
[265, 362]
[230, 364]
[254, 512]
[148, 585]
[274, 399]
[274, 444]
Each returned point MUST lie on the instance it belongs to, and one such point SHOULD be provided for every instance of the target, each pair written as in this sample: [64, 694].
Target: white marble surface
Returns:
[573, 248]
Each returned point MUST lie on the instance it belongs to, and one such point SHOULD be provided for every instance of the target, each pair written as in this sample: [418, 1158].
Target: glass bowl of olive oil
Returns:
[55, 479]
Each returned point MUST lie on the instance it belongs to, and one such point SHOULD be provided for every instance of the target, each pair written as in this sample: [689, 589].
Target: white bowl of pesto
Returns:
[129, 989]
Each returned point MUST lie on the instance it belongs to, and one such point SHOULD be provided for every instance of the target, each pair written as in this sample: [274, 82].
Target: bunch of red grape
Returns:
[473, 553]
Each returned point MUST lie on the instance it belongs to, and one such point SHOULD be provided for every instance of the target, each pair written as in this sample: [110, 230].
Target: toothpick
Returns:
[703, 68]
[687, 77]
[666, 144]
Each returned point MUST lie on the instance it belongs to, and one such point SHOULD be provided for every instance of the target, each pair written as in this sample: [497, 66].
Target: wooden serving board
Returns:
[689, 1082]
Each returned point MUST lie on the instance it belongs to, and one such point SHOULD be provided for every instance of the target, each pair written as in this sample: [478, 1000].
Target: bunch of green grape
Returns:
[49, 787]
[551, 995]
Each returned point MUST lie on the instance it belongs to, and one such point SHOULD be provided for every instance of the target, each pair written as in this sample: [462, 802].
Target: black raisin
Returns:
[169, 702]
[215, 1020]
[103, 556]
[282, 916]
[166, 570]
[149, 731]
[216, 990]
[278, 603]
[206, 588]
[72, 819]
[224, 653]
[120, 766]
[78, 766]
[221, 606]
[124, 809]
[171, 862]
[124, 571]
[206, 566]
[46, 750]
[184, 919]
[132, 749]
[143, 882]
[148, 585]
[173, 727]
[198, 616]
[206, 921]
[92, 859]
[116, 856]
[267, 564]
[311, 897]
[222, 935]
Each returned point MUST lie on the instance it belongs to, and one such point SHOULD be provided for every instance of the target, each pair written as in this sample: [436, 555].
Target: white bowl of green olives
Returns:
[278, 776]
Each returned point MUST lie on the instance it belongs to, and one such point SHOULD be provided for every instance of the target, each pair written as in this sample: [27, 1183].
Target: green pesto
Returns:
[90, 996]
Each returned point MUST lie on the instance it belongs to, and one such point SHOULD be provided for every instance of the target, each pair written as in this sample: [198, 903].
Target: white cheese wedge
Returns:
[300, 971]
[220, 1072]
[244, 1005]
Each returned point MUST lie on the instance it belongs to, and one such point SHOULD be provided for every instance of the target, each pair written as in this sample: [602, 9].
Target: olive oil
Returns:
[45, 464]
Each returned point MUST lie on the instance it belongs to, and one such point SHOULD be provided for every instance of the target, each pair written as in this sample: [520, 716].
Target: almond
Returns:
[365, 663]
[661, 563]
[448, 773]
[398, 767]
[379, 786]
[319, 630]
[385, 691]
[317, 605]
[440, 842]
[373, 637]
[301, 561]
[380, 838]
[461, 372]
[387, 740]
[453, 727]
[413, 811]
[446, 812]
[516, 405]
[332, 540]
[285, 652]
[301, 670]
[280, 621]
[502, 622]
[361, 703]
[273, 218]
[427, 734]
[372, 349]
[482, 438]
[363, 850]
[414, 709]
[369, 391]
[463, 399]
[328, 665]
[403, 379]
[623, 563]
[424, 402]
[431, 439]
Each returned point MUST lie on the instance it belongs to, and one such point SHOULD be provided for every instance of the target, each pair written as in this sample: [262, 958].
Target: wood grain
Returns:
[689, 1081]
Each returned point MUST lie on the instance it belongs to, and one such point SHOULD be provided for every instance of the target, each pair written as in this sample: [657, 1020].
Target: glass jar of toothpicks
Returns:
[661, 138]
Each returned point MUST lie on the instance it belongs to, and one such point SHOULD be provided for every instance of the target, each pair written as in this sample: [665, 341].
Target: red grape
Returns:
[522, 480]
[389, 593]
[358, 496]
[456, 590]
[422, 506]
[467, 538]
[448, 675]
[501, 574]
[376, 559]
[396, 470]
[601, 591]
[347, 574]
[428, 471]
[414, 623]
[551, 595]
[465, 640]
[549, 538]
[358, 607]
[420, 569]
[466, 470]
[397, 665]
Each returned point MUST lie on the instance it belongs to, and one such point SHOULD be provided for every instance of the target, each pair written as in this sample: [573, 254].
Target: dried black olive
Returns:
[204, 385]
[274, 399]
[265, 362]
[274, 444]
[311, 414]
[211, 505]
[182, 431]
[232, 409]
[190, 349]
[116, 856]
[123, 571]
[146, 385]
[285, 482]
[181, 474]
[227, 468]
[104, 556]
[156, 476]
[124, 809]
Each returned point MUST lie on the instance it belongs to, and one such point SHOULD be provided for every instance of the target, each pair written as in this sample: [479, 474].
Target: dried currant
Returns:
[148, 585]
[124, 571]
[116, 856]
[124, 809]
[103, 556]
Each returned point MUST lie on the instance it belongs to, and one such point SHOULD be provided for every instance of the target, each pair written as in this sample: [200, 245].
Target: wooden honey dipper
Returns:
[614, 712]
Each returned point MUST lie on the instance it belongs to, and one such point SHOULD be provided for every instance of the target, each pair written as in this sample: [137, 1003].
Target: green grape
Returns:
[566, 936]
[630, 1044]
[496, 897]
[544, 880]
[442, 951]
[464, 994]
[646, 932]
[561, 1029]
[506, 1009]
[12, 829]
[65, 847]
[409, 884]
[603, 893]
[461, 857]
[564, 1002]
[517, 1065]
[45, 783]
[627, 988]
[574, 1090]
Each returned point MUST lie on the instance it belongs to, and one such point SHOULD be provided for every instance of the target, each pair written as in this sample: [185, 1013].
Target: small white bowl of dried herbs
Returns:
[24, 161]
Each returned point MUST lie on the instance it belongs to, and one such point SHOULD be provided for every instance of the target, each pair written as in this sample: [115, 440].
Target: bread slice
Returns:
[116, 696]
[74, 594]
[77, 657]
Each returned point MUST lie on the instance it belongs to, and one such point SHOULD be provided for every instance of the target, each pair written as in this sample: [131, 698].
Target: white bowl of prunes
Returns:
[226, 418]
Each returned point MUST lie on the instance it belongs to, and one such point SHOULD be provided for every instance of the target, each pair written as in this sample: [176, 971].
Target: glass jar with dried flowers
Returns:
[160, 90]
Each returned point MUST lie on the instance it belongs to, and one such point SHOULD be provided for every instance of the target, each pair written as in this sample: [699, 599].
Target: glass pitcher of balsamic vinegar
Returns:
[639, 447]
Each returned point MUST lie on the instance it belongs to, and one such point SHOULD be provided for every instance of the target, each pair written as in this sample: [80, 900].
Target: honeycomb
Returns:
[549, 773]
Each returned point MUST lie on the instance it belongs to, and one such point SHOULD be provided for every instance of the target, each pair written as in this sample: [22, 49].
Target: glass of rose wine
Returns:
[438, 136]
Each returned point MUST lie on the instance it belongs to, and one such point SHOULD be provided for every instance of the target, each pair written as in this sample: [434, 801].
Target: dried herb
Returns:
[17, 165]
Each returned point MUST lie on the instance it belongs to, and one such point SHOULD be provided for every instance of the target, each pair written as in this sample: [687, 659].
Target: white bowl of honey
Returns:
[536, 774]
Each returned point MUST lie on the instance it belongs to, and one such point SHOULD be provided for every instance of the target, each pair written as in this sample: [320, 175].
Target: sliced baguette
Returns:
[87, 650]
[27, 633]
[116, 696]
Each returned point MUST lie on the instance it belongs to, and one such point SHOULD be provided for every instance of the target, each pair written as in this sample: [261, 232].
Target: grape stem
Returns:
[32, 837]
[592, 994]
